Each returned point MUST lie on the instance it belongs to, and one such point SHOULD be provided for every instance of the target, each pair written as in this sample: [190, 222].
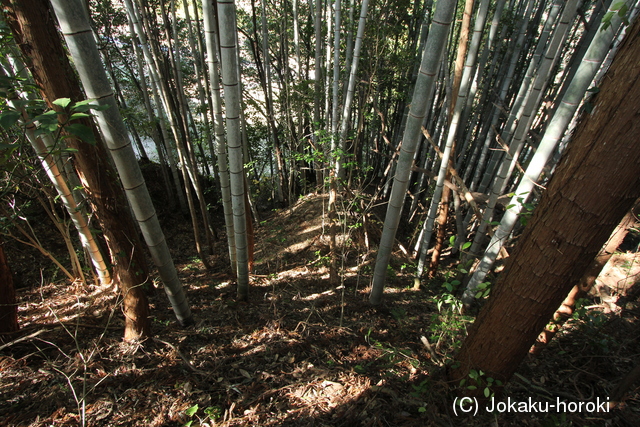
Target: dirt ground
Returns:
[301, 351]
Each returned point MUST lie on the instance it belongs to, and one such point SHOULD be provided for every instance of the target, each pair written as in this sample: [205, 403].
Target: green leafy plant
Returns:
[408, 268]
[53, 122]
[321, 260]
[592, 321]
[453, 243]
[392, 355]
[210, 412]
[420, 389]
[593, 318]
[525, 212]
[483, 290]
[448, 325]
[451, 285]
[478, 380]
[391, 273]
[619, 8]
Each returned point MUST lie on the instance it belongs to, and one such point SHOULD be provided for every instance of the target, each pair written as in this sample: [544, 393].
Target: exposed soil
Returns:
[301, 352]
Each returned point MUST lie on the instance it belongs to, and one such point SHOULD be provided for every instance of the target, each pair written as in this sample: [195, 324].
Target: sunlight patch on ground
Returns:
[316, 296]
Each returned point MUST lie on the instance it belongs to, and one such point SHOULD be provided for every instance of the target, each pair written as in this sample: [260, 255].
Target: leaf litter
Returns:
[300, 352]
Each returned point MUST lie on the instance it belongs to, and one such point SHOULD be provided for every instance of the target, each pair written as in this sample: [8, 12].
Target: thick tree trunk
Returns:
[552, 136]
[594, 186]
[586, 282]
[32, 24]
[8, 305]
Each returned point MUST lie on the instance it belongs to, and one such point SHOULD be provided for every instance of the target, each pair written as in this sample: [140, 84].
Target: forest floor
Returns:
[301, 351]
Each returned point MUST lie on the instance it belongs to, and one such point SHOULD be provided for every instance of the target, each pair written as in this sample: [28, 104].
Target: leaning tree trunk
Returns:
[458, 96]
[429, 67]
[517, 125]
[568, 106]
[137, 30]
[44, 146]
[594, 186]
[77, 31]
[37, 37]
[565, 311]
[348, 101]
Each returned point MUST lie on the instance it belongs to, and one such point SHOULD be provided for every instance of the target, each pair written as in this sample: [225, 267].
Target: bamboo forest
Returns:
[319, 213]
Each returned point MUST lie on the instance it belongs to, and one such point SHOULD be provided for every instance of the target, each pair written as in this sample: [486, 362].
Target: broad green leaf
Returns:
[86, 105]
[81, 131]
[81, 108]
[48, 118]
[62, 102]
[100, 107]
[79, 116]
[213, 412]
[606, 20]
[623, 10]
[18, 104]
[191, 411]
[9, 118]
[618, 5]
[82, 103]
[466, 245]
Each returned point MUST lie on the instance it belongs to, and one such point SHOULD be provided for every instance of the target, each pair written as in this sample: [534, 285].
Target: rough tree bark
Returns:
[594, 186]
[565, 311]
[33, 27]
